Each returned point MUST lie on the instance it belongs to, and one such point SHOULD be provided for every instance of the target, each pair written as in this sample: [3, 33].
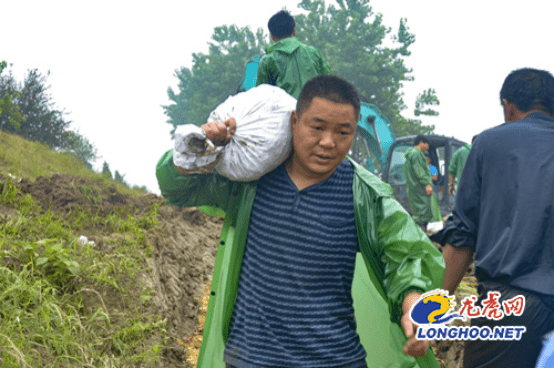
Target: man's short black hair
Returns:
[281, 25]
[331, 88]
[420, 138]
[529, 89]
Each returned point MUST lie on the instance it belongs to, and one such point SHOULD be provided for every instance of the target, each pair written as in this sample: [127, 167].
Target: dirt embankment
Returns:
[180, 262]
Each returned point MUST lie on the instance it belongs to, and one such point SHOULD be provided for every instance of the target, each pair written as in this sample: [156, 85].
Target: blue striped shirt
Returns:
[294, 301]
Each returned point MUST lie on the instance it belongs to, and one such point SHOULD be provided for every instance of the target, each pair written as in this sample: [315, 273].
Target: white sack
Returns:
[263, 137]
[193, 151]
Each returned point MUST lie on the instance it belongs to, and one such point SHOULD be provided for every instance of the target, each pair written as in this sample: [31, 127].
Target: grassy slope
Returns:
[26, 159]
[63, 303]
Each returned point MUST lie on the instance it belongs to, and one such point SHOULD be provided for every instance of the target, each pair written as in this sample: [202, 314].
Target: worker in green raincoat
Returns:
[288, 63]
[419, 184]
[393, 260]
[457, 164]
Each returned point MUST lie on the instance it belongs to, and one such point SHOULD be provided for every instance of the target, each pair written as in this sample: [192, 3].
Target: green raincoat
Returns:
[417, 174]
[396, 258]
[458, 162]
[289, 64]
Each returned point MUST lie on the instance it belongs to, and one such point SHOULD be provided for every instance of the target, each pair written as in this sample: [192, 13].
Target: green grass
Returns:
[30, 159]
[26, 159]
[64, 303]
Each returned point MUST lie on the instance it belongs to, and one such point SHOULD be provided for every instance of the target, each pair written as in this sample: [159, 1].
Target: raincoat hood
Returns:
[286, 45]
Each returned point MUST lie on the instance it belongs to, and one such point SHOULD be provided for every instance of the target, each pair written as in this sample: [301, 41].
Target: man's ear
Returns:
[293, 120]
[294, 32]
[509, 110]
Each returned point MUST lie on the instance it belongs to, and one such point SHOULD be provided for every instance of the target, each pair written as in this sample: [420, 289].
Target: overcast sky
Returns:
[111, 62]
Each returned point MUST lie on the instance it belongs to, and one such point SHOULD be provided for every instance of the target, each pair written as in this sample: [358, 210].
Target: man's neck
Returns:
[300, 177]
[513, 113]
[275, 39]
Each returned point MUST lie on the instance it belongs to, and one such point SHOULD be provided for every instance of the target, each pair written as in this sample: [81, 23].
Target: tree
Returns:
[9, 110]
[106, 171]
[427, 98]
[119, 178]
[74, 142]
[142, 189]
[353, 41]
[42, 122]
[214, 76]
[30, 113]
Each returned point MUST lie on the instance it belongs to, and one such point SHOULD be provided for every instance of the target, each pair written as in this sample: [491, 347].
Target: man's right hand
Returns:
[220, 132]
[429, 189]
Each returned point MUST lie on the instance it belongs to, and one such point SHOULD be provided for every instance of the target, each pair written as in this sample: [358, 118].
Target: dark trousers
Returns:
[537, 317]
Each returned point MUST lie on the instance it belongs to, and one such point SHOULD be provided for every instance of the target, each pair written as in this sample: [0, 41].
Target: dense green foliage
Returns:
[214, 76]
[106, 170]
[361, 49]
[352, 39]
[7, 106]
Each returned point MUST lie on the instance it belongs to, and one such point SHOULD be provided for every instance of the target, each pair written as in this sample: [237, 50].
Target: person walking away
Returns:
[504, 215]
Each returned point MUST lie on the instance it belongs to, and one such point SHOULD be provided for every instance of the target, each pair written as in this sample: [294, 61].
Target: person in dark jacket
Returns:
[504, 215]
[289, 63]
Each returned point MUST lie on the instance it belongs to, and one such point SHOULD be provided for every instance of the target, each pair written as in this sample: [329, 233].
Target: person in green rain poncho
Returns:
[457, 164]
[288, 63]
[419, 182]
[318, 265]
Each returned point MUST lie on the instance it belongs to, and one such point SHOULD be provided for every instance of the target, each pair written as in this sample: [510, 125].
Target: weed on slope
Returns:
[91, 276]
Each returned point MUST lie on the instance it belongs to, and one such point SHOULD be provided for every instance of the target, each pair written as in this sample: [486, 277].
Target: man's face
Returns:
[322, 137]
[424, 147]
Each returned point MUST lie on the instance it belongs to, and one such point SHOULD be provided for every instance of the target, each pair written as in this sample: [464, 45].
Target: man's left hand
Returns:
[451, 189]
[428, 189]
[413, 347]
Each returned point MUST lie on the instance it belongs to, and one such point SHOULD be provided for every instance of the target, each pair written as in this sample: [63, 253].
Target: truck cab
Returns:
[441, 149]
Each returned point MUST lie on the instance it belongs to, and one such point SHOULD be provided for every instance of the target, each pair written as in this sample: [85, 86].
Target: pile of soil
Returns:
[183, 246]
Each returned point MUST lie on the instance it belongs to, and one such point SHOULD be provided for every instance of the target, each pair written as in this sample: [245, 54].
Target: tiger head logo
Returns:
[433, 308]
